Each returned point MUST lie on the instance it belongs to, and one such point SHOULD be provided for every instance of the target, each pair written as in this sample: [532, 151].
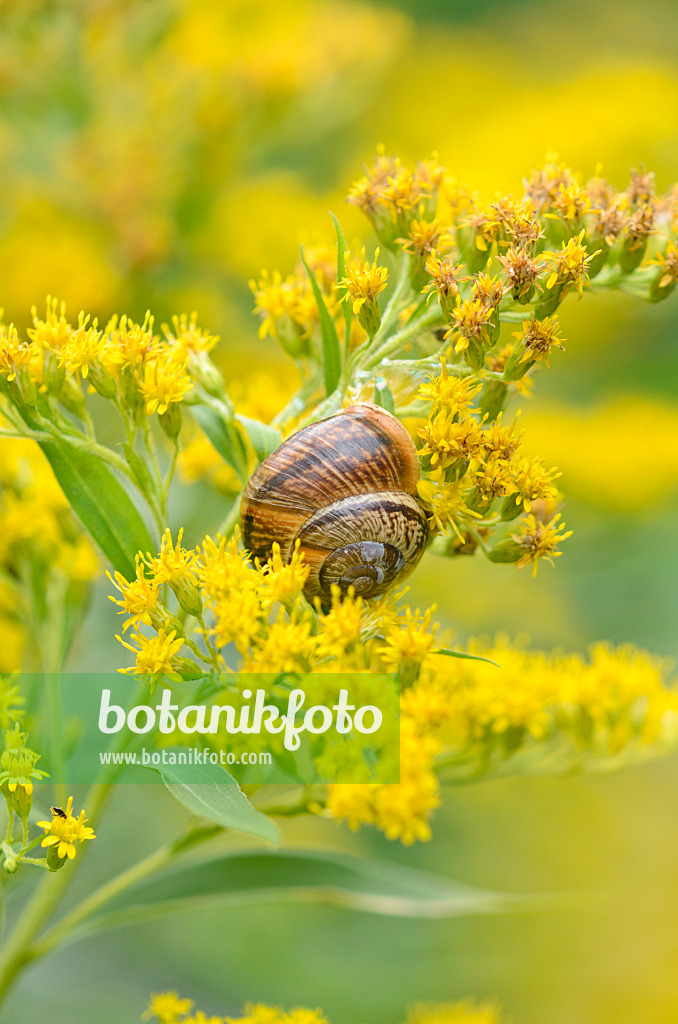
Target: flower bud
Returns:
[506, 551]
[188, 596]
[22, 801]
[170, 420]
[102, 380]
[54, 861]
[511, 508]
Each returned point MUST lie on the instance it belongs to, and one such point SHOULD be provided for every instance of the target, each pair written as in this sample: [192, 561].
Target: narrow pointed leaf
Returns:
[341, 274]
[224, 436]
[265, 438]
[101, 503]
[213, 793]
[377, 887]
[465, 656]
[330, 338]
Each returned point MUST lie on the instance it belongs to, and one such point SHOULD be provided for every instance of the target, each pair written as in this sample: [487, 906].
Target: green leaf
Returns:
[382, 395]
[341, 273]
[465, 656]
[101, 503]
[331, 347]
[265, 438]
[213, 793]
[377, 887]
[138, 467]
[224, 435]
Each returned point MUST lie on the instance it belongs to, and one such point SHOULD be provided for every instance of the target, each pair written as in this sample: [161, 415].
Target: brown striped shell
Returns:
[346, 489]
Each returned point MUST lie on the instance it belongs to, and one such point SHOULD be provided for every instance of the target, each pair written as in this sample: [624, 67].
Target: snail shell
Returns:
[345, 487]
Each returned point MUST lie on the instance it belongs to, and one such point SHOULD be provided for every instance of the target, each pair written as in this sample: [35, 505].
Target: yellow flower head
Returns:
[444, 274]
[54, 331]
[488, 290]
[174, 564]
[65, 830]
[472, 320]
[569, 267]
[139, 597]
[539, 337]
[532, 482]
[130, 344]
[668, 262]
[426, 237]
[283, 582]
[165, 381]
[447, 439]
[409, 641]
[363, 281]
[154, 655]
[186, 338]
[13, 353]
[167, 1008]
[521, 271]
[82, 349]
[540, 540]
[452, 394]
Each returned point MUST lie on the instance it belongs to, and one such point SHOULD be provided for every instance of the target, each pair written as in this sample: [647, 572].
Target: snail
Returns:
[345, 487]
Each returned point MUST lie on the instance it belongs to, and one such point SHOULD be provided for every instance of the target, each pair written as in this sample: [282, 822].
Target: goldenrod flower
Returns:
[139, 597]
[174, 564]
[408, 642]
[488, 290]
[283, 582]
[521, 270]
[444, 274]
[531, 482]
[426, 237]
[666, 278]
[65, 830]
[186, 338]
[453, 394]
[535, 341]
[165, 381]
[154, 655]
[14, 353]
[363, 284]
[569, 267]
[447, 439]
[473, 323]
[54, 331]
[447, 501]
[167, 1007]
[288, 309]
[540, 540]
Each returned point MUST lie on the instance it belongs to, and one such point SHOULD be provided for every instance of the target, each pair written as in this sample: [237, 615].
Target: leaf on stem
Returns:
[101, 503]
[214, 794]
[330, 338]
[355, 883]
[341, 274]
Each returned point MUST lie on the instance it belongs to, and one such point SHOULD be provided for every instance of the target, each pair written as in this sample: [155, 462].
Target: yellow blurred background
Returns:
[158, 154]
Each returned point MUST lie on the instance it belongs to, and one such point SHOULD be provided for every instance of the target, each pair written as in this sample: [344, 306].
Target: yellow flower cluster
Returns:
[472, 714]
[170, 1008]
[478, 480]
[127, 362]
[288, 309]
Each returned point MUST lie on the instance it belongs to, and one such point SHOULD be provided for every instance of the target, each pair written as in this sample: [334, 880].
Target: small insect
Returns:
[58, 812]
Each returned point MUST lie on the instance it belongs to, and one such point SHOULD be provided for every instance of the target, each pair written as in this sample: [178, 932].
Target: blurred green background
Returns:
[158, 153]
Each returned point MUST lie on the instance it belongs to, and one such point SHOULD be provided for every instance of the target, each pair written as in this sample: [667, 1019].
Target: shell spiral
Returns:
[345, 487]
